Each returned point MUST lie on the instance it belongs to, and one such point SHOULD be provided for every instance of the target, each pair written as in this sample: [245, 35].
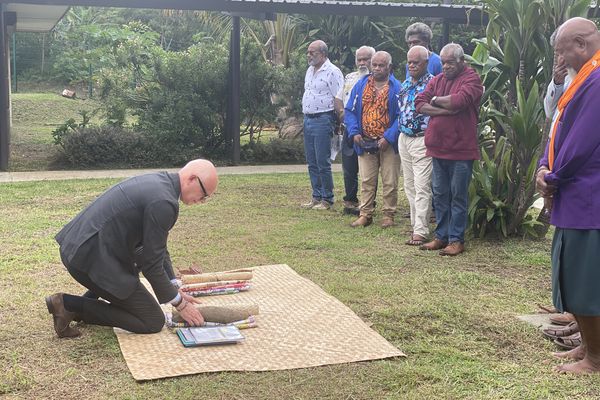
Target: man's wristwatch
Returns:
[433, 99]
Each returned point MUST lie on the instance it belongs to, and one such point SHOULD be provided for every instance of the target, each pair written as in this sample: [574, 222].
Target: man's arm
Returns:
[159, 218]
[468, 95]
[434, 111]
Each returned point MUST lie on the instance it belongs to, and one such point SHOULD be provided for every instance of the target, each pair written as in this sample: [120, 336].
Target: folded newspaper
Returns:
[211, 335]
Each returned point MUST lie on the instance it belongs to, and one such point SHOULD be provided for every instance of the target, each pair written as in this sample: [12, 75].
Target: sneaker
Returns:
[322, 205]
[310, 204]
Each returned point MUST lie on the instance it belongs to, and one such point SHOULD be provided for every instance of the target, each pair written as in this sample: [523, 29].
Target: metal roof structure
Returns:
[36, 18]
[453, 12]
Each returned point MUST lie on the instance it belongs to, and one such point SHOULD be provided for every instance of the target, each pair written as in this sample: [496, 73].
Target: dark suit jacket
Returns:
[137, 213]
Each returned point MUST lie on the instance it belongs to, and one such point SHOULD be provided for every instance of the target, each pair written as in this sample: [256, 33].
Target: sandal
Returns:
[415, 240]
[562, 319]
[569, 342]
[564, 331]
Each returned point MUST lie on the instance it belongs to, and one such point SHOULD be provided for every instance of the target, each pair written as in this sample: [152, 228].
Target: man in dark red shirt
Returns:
[452, 100]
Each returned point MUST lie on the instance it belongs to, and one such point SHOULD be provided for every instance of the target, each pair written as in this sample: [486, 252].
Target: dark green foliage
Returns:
[274, 151]
[106, 146]
[60, 133]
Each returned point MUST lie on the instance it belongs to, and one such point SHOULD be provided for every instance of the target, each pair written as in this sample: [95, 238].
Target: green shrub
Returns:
[274, 151]
[105, 146]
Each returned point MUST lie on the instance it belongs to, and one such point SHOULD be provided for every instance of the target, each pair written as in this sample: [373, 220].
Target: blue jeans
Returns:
[317, 148]
[350, 169]
[451, 197]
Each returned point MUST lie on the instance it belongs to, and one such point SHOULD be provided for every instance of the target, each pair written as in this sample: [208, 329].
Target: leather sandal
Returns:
[562, 319]
[564, 331]
[569, 342]
[415, 240]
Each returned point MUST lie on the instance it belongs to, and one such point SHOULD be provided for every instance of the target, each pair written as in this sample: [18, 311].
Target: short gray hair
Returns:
[421, 29]
[369, 48]
[457, 50]
[388, 56]
[422, 51]
[323, 48]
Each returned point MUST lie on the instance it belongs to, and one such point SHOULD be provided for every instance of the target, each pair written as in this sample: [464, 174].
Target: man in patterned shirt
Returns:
[322, 82]
[416, 166]
[371, 118]
[349, 157]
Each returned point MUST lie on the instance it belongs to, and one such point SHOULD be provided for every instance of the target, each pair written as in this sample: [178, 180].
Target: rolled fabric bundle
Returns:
[222, 314]
[205, 285]
[216, 277]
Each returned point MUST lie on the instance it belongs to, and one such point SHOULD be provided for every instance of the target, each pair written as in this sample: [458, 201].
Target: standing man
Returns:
[416, 165]
[569, 173]
[371, 117]
[322, 82]
[451, 99]
[419, 34]
[349, 157]
[120, 234]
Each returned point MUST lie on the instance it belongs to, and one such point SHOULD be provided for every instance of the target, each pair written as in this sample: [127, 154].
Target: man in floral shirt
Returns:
[416, 166]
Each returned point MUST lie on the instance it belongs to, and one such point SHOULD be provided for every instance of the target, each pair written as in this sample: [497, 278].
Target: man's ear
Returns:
[579, 42]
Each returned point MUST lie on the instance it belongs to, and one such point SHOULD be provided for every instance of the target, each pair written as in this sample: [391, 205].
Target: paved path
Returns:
[126, 173]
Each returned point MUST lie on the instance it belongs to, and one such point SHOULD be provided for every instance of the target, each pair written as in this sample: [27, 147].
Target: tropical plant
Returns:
[514, 61]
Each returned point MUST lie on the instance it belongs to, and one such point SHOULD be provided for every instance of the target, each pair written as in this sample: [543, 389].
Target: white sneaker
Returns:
[310, 204]
[323, 205]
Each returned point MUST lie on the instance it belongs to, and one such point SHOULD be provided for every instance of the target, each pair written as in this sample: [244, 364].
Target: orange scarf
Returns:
[567, 96]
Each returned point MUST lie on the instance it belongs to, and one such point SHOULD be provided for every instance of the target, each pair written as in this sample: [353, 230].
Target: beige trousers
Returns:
[370, 165]
[416, 169]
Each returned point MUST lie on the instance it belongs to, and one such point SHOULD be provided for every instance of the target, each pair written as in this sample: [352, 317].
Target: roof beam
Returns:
[454, 13]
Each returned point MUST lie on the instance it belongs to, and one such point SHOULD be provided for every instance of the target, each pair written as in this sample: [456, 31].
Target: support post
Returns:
[234, 96]
[4, 93]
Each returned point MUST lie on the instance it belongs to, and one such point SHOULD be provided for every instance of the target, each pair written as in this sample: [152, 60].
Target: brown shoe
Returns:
[435, 244]
[453, 249]
[62, 317]
[387, 222]
[362, 221]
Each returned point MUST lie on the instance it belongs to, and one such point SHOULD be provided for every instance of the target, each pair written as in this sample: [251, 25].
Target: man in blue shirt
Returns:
[419, 34]
[416, 166]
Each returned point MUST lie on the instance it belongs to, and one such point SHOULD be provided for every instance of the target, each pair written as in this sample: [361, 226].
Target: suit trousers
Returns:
[370, 165]
[416, 169]
[138, 313]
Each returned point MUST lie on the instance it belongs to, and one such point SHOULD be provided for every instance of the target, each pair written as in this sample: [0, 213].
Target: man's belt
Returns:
[315, 115]
[418, 134]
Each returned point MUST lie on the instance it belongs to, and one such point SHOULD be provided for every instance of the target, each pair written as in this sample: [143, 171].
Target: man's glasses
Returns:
[204, 192]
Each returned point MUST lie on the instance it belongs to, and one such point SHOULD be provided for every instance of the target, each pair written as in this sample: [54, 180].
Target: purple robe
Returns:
[576, 172]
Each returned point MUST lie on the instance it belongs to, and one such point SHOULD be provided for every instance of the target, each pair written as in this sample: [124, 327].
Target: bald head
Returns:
[577, 40]
[317, 53]
[381, 65]
[198, 180]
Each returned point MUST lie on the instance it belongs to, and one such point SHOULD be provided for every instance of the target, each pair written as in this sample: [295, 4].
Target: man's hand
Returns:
[559, 71]
[189, 298]
[358, 140]
[543, 187]
[383, 144]
[191, 315]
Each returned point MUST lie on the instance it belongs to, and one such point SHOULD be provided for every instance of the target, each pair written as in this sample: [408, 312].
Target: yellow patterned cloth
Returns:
[375, 115]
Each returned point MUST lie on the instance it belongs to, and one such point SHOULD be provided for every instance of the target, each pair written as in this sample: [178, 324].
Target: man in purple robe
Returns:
[569, 175]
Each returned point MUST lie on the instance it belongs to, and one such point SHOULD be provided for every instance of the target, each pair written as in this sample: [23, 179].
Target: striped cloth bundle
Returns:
[247, 323]
[210, 284]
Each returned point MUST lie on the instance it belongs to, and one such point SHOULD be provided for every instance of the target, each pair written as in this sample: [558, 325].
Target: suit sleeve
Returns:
[159, 218]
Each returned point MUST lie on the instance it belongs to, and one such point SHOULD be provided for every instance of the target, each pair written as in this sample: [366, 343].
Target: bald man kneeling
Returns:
[118, 236]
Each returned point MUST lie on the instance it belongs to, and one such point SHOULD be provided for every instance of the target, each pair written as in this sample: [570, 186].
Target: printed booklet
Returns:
[211, 335]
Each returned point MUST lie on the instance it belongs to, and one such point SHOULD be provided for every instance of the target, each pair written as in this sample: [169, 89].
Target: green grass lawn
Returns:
[455, 318]
[34, 117]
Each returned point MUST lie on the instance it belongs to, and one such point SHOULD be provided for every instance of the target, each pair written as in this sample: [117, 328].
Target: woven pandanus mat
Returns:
[299, 326]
